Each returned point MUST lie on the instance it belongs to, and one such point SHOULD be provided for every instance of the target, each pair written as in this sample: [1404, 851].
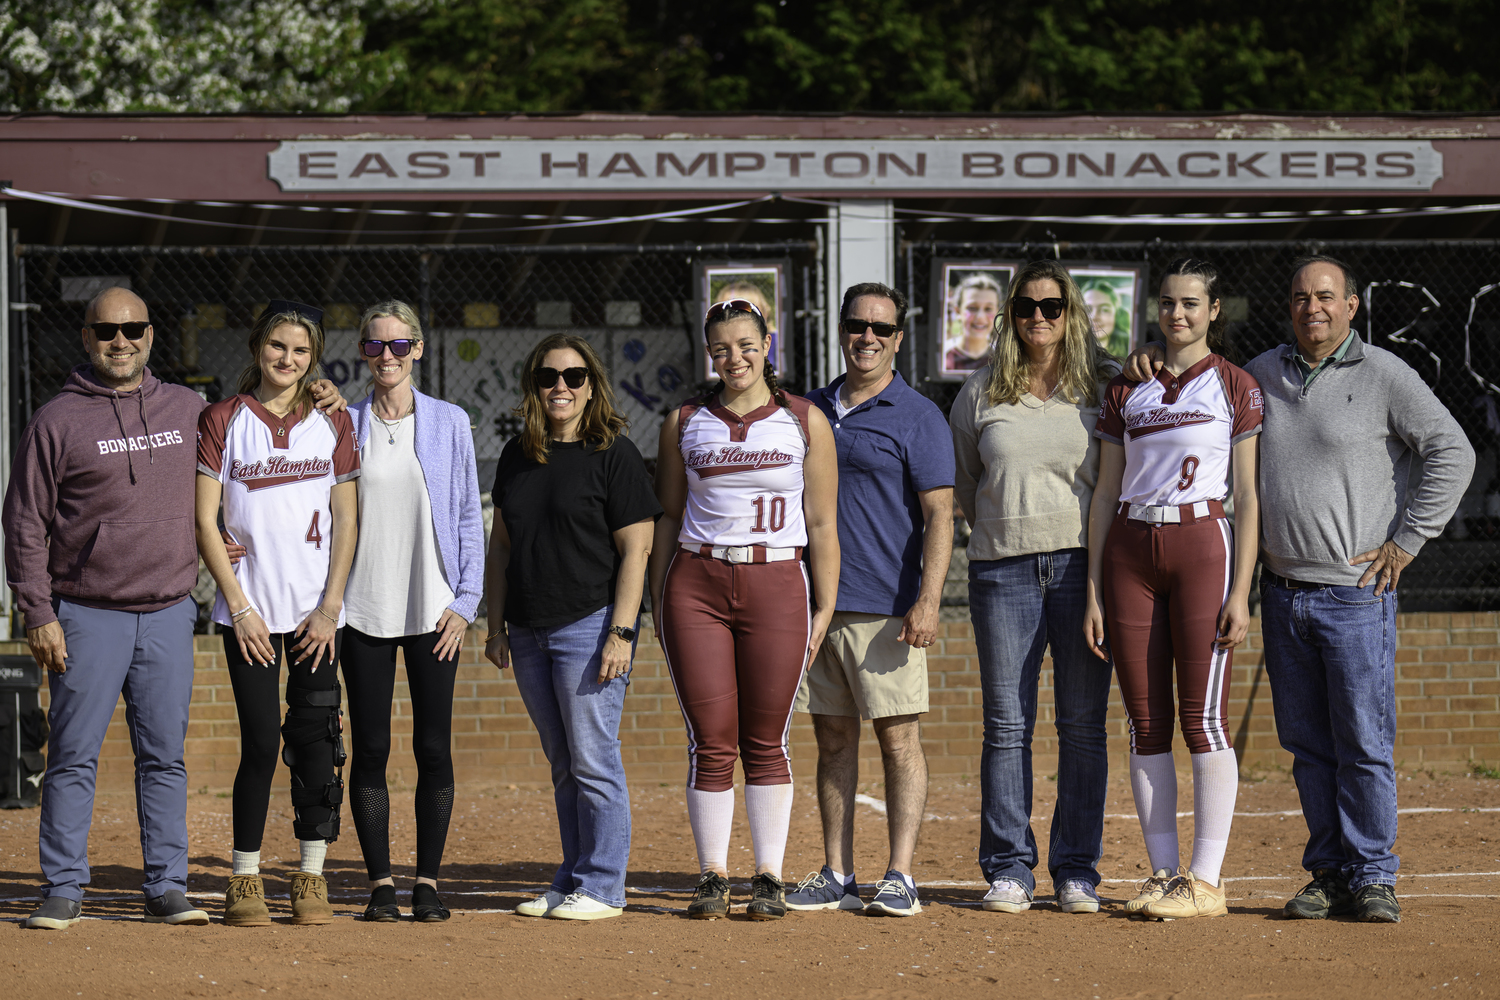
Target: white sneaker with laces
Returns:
[580, 907]
[541, 905]
[1006, 895]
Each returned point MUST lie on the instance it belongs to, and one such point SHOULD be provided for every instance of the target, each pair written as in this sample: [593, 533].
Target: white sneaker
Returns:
[542, 905]
[1006, 895]
[580, 907]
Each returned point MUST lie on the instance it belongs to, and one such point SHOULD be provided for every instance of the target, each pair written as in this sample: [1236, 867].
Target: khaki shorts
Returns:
[863, 670]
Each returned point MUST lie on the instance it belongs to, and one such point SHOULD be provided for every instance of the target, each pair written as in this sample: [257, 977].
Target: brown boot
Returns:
[245, 902]
[310, 899]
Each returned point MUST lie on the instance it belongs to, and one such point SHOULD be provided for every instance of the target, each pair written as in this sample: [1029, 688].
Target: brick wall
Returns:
[1448, 691]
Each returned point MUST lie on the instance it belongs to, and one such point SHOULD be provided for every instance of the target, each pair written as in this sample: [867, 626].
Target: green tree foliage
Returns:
[497, 56]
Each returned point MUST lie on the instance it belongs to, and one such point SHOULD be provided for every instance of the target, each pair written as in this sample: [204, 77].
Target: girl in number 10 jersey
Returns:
[747, 477]
[285, 474]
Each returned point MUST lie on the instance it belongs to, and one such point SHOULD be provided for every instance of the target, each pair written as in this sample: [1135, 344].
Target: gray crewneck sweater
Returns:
[1365, 455]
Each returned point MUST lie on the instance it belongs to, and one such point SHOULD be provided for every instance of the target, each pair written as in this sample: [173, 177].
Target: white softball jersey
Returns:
[744, 474]
[1179, 431]
[278, 474]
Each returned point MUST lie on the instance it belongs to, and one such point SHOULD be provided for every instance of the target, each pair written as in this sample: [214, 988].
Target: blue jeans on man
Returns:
[149, 658]
[1331, 660]
[578, 720]
[1020, 606]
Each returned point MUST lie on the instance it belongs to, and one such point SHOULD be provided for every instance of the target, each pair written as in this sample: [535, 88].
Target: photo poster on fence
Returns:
[971, 293]
[1114, 295]
[479, 370]
[763, 283]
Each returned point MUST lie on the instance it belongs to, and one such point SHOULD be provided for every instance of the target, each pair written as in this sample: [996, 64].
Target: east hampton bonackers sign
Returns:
[853, 166]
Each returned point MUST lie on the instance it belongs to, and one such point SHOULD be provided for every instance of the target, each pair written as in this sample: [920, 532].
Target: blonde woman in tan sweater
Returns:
[1026, 467]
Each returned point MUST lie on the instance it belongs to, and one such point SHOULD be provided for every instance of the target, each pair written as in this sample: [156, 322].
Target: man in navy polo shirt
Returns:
[896, 536]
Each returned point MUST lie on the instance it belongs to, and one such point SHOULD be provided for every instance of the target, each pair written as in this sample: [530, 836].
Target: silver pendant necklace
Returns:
[390, 427]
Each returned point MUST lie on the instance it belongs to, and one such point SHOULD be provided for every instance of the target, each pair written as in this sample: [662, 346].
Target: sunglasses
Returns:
[546, 378]
[132, 331]
[375, 348]
[718, 309]
[1024, 308]
[857, 327]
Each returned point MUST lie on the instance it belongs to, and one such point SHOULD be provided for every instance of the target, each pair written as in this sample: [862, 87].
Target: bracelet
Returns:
[491, 637]
[240, 614]
[327, 615]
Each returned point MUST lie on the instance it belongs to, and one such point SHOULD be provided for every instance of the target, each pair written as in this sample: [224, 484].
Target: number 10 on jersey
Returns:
[777, 511]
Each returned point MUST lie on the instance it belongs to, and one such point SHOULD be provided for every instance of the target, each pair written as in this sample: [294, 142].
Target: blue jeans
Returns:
[147, 657]
[578, 719]
[1331, 660]
[1020, 606]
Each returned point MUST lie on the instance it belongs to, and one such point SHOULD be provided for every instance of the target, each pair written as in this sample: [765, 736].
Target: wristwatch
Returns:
[628, 634]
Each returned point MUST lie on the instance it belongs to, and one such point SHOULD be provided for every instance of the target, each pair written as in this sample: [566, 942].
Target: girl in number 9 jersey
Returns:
[285, 473]
[748, 479]
[1174, 579]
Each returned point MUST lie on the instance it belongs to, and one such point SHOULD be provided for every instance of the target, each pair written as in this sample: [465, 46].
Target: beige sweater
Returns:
[1026, 471]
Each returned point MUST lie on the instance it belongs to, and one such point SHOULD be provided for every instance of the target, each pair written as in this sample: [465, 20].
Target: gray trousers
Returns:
[149, 659]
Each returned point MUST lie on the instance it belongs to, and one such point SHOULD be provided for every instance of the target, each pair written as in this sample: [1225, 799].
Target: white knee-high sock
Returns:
[769, 809]
[1153, 779]
[1216, 784]
[711, 815]
[313, 853]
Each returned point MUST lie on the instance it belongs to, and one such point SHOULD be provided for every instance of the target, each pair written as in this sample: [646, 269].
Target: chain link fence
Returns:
[1436, 304]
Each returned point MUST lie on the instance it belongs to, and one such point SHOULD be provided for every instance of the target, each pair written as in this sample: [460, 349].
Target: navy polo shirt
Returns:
[890, 448]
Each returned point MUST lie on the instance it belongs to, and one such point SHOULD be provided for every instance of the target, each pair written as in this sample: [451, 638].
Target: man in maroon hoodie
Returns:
[100, 553]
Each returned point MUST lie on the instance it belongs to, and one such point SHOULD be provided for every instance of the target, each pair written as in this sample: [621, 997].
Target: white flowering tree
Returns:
[193, 55]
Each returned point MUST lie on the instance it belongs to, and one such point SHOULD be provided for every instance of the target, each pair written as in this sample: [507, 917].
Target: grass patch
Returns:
[1480, 769]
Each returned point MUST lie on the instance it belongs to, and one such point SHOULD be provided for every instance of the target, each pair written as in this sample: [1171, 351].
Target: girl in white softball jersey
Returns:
[1174, 578]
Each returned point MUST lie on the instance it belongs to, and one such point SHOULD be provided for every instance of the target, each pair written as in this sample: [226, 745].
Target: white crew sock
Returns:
[769, 809]
[246, 862]
[1153, 779]
[711, 815]
[1216, 783]
[313, 853]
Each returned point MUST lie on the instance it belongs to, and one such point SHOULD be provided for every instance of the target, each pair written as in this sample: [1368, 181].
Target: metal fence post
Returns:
[424, 310]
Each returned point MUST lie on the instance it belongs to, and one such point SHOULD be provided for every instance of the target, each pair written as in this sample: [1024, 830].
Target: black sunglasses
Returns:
[1024, 308]
[857, 327]
[546, 378]
[375, 348]
[132, 331]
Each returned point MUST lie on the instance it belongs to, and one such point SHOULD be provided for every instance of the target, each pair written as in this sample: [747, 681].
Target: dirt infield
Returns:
[503, 848]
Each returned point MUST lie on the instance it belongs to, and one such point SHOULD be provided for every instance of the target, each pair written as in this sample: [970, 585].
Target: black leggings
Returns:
[257, 700]
[369, 667]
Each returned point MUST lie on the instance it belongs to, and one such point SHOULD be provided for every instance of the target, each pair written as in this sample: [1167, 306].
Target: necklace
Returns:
[392, 426]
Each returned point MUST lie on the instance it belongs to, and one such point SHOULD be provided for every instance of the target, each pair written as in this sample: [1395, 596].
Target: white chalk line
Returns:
[879, 806]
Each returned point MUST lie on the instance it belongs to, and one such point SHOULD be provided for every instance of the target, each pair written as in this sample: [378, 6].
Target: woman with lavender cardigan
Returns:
[416, 583]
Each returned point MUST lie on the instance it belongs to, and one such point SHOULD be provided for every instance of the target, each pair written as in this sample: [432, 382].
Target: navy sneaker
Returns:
[893, 898]
[821, 891]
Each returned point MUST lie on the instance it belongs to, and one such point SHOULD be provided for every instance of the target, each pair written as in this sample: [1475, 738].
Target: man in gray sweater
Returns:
[1360, 466]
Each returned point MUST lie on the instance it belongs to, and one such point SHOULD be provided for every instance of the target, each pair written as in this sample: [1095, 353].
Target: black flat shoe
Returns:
[426, 907]
[383, 908]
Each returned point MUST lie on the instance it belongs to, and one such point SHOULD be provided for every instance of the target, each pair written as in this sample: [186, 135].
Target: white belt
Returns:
[1165, 515]
[745, 553]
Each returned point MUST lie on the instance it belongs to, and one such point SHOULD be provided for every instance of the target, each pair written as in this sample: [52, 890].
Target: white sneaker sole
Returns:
[846, 903]
[1006, 906]
[564, 913]
[879, 909]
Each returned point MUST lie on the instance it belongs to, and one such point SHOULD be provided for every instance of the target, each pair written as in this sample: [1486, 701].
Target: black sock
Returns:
[383, 895]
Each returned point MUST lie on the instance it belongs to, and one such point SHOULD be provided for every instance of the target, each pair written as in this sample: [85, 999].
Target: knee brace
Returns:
[314, 726]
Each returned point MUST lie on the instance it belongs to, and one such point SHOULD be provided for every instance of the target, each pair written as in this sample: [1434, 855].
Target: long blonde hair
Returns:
[601, 423]
[261, 332]
[1082, 364]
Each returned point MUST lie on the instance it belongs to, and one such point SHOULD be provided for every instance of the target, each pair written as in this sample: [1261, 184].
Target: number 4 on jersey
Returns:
[313, 534]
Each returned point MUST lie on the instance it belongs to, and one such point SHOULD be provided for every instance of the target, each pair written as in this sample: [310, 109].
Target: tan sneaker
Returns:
[1189, 896]
[245, 902]
[310, 899]
[1151, 890]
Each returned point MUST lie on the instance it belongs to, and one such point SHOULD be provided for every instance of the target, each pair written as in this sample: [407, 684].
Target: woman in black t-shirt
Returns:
[574, 516]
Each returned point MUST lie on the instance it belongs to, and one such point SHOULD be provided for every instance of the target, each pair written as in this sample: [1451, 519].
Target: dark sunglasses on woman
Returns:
[546, 378]
[1024, 308]
[107, 331]
[731, 305]
[375, 348]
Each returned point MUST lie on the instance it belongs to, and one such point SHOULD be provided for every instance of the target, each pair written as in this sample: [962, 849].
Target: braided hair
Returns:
[727, 315]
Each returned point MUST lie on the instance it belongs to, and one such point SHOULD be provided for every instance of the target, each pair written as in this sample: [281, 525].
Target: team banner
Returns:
[852, 166]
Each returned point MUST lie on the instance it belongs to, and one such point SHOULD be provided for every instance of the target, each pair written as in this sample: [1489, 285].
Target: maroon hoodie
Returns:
[100, 504]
